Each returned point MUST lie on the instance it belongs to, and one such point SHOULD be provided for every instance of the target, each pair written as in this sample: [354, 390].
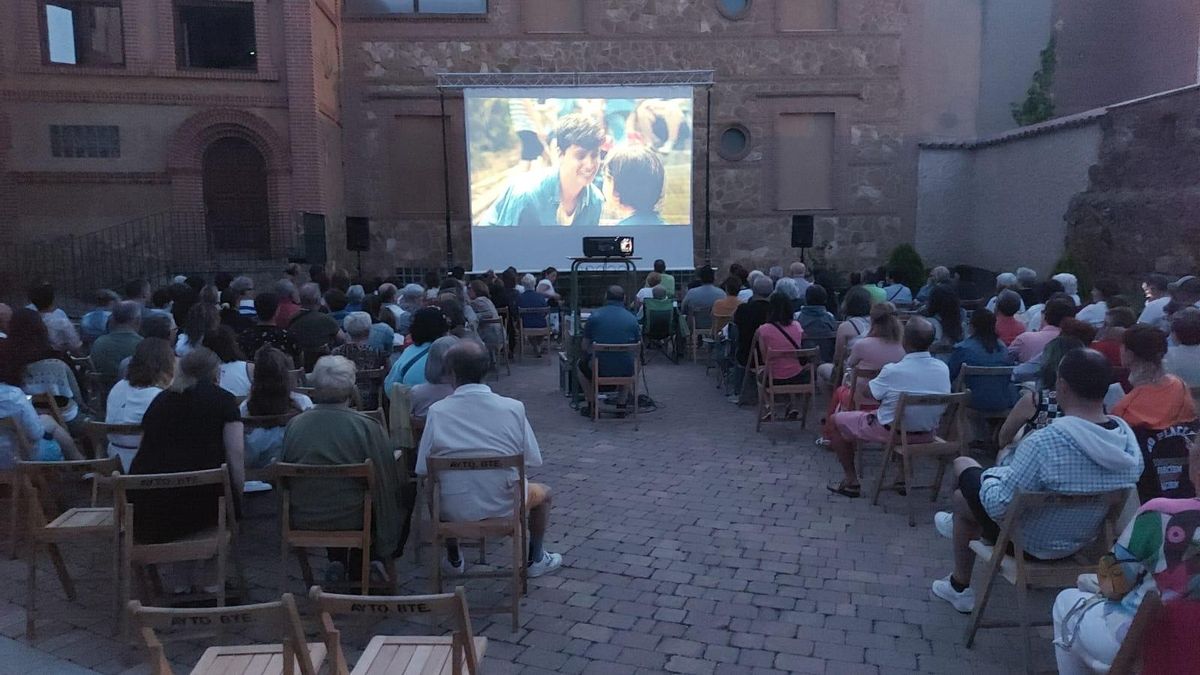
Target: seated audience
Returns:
[1037, 403]
[151, 371]
[798, 272]
[1068, 328]
[1005, 282]
[492, 334]
[332, 433]
[917, 373]
[789, 288]
[819, 326]
[666, 280]
[412, 298]
[429, 324]
[118, 344]
[530, 299]
[1027, 286]
[1046, 291]
[236, 372]
[1084, 451]
[747, 291]
[727, 305]
[1154, 553]
[201, 320]
[1008, 326]
[161, 326]
[948, 319]
[611, 324]
[1183, 357]
[272, 393]
[63, 336]
[193, 426]
[314, 331]
[44, 372]
[1102, 294]
[456, 316]
[881, 346]
[1028, 345]
[383, 337]
[1158, 399]
[938, 275]
[549, 277]
[1157, 296]
[1108, 338]
[856, 307]
[335, 302]
[266, 332]
[288, 301]
[238, 311]
[357, 327]
[646, 292]
[95, 323]
[782, 333]
[984, 348]
[699, 300]
[894, 290]
[48, 441]
[475, 421]
[439, 382]
[1070, 286]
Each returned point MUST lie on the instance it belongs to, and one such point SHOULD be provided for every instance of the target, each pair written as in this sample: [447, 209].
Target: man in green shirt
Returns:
[108, 351]
[668, 281]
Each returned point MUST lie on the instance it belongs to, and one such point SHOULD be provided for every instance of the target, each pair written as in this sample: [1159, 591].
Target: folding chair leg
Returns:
[910, 490]
[222, 554]
[937, 482]
[305, 568]
[483, 551]
[31, 593]
[365, 572]
[14, 518]
[981, 599]
[435, 555]
[1023, 611]
[519, 555]
[888, 453]
[60, 568]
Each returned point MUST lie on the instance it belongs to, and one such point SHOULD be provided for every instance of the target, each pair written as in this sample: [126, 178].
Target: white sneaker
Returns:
[963, 602]
[944, 522]
[548, 563]
[448, 568]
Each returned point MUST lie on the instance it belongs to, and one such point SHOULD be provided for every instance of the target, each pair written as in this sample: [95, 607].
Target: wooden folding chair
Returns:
[253, 422]
[405, 430]
[292, 656]
[1026, 574]
[993, 418]
[297, 540]
[98, 435]
[946, 443]
[768, 388]
[370, 388]
[500, 349]
[218, 542]
[10, 477]
[398, 655]
[507, 526]
[719, 321]
[41, 482]
[700, 330]
[528, 334]
[629, 382]
[1129, 656]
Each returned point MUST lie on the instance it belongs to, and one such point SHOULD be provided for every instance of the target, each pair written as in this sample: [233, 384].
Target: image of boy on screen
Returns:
[563, 195]
[633, 185]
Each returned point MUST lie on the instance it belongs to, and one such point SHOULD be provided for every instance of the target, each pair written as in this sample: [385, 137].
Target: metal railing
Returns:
[156, 247]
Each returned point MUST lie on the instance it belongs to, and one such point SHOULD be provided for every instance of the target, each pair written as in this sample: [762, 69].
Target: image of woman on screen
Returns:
[633, 185]
[564, 195]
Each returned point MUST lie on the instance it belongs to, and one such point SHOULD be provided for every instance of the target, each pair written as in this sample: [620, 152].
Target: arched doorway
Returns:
[236, 207]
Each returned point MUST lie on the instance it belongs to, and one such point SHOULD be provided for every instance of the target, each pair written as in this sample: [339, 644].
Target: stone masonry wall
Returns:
[854, 72]
[1141, 210]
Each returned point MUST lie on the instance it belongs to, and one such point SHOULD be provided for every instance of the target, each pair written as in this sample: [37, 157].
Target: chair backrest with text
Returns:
[279, 618]
[378, 607]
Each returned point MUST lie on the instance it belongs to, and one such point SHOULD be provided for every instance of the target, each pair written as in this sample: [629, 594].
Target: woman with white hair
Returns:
[531, 298]
[791, 289]
[438, 381]
[1070, 285]
[358, 327]
[748, 292]
[333, 433]
[192, 426]
[1005, 281]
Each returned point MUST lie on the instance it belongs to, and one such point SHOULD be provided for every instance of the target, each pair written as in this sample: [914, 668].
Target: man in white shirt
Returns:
[63, 336]
[1157, 297]
[917, 373]
[474, 421]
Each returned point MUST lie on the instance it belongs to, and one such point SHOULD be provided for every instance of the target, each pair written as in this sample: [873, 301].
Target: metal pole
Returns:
[446, 180]
[707, 174]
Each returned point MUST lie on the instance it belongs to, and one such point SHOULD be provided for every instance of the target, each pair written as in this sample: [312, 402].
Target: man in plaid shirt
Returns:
[1084, 451]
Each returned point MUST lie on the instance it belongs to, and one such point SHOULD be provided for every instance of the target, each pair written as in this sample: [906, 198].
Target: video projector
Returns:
[608, 247]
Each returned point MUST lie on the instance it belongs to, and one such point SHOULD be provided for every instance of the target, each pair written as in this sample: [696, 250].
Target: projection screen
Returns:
[549, 166]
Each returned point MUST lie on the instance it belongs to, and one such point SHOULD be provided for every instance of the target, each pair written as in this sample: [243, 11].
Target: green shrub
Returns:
[908, 267]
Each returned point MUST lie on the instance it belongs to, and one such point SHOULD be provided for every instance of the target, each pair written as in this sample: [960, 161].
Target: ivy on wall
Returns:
[1038, 105]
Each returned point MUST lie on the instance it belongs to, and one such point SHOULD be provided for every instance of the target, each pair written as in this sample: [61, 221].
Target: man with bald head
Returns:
[612, 324]
[471, 422]
[917, 373]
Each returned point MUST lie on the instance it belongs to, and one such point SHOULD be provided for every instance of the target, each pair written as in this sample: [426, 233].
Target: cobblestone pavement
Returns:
[692, 545]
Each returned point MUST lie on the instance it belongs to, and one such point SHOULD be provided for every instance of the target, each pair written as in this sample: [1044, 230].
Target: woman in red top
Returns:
[1008, 326]
[1108, 342]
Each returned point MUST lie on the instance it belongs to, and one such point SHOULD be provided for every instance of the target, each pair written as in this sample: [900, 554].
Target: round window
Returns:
[734, 143]
[734, 9]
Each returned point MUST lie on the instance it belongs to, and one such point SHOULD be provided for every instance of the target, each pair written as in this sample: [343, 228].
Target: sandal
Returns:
[840, 488]
[792, 414]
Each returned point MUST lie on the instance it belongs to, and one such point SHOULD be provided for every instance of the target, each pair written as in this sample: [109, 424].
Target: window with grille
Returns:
[74, 140]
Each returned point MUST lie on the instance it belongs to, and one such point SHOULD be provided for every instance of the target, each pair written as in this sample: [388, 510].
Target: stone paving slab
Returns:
[693, 545]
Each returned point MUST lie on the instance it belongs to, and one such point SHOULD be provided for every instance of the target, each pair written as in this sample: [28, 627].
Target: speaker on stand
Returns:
[358, 237]
[802, 233]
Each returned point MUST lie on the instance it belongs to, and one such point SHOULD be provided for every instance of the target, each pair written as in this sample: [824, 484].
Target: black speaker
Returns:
[802, 231]
[358, 233]
[314, 238]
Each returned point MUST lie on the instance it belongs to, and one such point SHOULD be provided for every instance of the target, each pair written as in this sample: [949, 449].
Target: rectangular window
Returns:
[83, 33]
[800, 15]
[804, 161]
[218, 35]
[72, 140]
[553, 16]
